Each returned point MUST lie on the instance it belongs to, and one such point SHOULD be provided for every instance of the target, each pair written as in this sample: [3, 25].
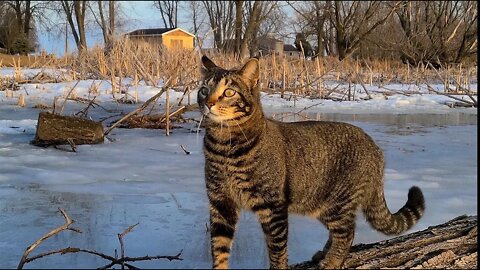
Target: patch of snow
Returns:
[144, 176]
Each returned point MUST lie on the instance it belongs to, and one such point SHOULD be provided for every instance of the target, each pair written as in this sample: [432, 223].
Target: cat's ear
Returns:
[207, 65]
[250, 71]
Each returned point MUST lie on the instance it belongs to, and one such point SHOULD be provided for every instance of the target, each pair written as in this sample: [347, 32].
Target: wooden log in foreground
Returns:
[53, 129]
[452, 245]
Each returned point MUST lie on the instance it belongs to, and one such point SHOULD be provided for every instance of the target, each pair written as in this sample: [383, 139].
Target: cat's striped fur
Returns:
[326, 170]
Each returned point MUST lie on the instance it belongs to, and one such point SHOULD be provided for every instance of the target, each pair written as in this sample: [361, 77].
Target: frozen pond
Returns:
[143, 176]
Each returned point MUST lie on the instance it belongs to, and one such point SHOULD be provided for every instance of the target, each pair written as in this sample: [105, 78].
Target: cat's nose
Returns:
[210, 104]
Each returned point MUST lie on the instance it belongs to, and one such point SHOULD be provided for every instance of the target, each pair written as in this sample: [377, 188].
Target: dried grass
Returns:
[279, 74]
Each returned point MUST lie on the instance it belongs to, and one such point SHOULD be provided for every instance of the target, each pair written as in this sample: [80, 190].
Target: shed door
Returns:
[176, 43]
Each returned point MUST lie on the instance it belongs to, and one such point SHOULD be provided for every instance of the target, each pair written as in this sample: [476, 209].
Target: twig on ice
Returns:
[66, 226]
[120, 239]
[184, 149]
[113, 260]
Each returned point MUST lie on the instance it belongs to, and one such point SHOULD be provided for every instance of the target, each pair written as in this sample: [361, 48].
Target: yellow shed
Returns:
[171, 38]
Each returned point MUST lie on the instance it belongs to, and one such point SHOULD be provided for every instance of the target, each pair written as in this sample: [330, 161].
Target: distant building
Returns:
[171, 38]
[291, 51]
[268, 44]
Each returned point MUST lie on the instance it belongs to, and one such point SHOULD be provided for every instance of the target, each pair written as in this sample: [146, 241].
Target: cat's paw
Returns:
[282, 266]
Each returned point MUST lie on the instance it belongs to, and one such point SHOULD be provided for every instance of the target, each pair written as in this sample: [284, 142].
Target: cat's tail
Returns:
[378, 215]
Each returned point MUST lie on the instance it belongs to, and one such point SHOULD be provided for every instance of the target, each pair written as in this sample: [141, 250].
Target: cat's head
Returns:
[229, 95]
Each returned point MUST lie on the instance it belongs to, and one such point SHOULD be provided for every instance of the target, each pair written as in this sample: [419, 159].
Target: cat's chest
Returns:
[235, 182]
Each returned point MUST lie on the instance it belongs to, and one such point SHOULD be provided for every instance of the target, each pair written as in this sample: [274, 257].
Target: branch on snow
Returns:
[122, 261]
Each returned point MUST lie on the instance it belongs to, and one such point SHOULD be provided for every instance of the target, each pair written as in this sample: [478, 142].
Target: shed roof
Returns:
[269, 38]
[155, 31]
[289, 48]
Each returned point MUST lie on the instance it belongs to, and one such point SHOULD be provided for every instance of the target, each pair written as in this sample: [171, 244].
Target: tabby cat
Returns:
[325, 170]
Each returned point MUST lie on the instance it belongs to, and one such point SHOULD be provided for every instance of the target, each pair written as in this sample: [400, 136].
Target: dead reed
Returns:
[325, 77]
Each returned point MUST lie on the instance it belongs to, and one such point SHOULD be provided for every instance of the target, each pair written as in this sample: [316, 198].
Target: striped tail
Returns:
[378, 215]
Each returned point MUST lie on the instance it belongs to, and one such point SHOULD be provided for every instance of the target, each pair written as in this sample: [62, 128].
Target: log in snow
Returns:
[452, 245]
[53, 129]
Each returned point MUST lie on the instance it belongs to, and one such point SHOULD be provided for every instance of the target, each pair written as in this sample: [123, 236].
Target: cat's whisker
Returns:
[241, 129]
[229, 133]
[199, 124]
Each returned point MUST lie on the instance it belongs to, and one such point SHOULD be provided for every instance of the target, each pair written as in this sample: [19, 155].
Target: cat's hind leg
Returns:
[341, 233]
[338, 215]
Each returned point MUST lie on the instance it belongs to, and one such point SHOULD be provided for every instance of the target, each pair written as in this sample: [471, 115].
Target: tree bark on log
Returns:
[452, 245]
[53, 129]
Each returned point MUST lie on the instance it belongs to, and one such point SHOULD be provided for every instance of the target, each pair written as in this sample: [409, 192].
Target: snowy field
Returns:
[144, 176]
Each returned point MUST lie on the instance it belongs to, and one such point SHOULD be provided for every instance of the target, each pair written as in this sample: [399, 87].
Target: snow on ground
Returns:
[144, 176]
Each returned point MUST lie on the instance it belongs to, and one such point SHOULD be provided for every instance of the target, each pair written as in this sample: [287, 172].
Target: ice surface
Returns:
[144, 176]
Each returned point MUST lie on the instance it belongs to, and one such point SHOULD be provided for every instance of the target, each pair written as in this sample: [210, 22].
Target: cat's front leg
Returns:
[274, 220]
[223, 218]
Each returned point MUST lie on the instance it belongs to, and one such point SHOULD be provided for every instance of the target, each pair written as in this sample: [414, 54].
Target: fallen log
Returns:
[154, 121]
[452, 245]
[53, 129]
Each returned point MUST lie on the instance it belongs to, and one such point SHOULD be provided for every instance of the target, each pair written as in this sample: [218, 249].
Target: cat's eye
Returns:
[229, 93]
[204, 91]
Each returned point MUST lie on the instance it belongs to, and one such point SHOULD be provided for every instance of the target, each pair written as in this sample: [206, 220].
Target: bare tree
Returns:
[221, 19]
[255, 16]
[275, 22]
[252, 23]
[353, 21]
[197, 15]
[437, 32]
[26, 14]
[75, 13]
[107, 22]
[238, 25]
[8, 28]
[168, 11]
[311, 17]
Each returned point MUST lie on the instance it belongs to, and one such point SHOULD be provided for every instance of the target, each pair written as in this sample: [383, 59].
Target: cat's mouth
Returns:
[207, 112]
[215, 115]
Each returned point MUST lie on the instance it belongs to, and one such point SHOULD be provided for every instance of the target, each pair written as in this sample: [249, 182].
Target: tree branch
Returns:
[113, 260]
[66, 226]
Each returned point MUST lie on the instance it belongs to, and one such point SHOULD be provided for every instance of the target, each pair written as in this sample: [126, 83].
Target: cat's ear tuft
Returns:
[250, 71]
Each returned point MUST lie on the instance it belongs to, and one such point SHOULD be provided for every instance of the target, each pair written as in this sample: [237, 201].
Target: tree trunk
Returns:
[103, 23]
[319, 28]
[28, 18]
[80, 9]
[253, 20]
[452, 245]
[238, 25]
[53, 129]
[69, 14]
[111, 27]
